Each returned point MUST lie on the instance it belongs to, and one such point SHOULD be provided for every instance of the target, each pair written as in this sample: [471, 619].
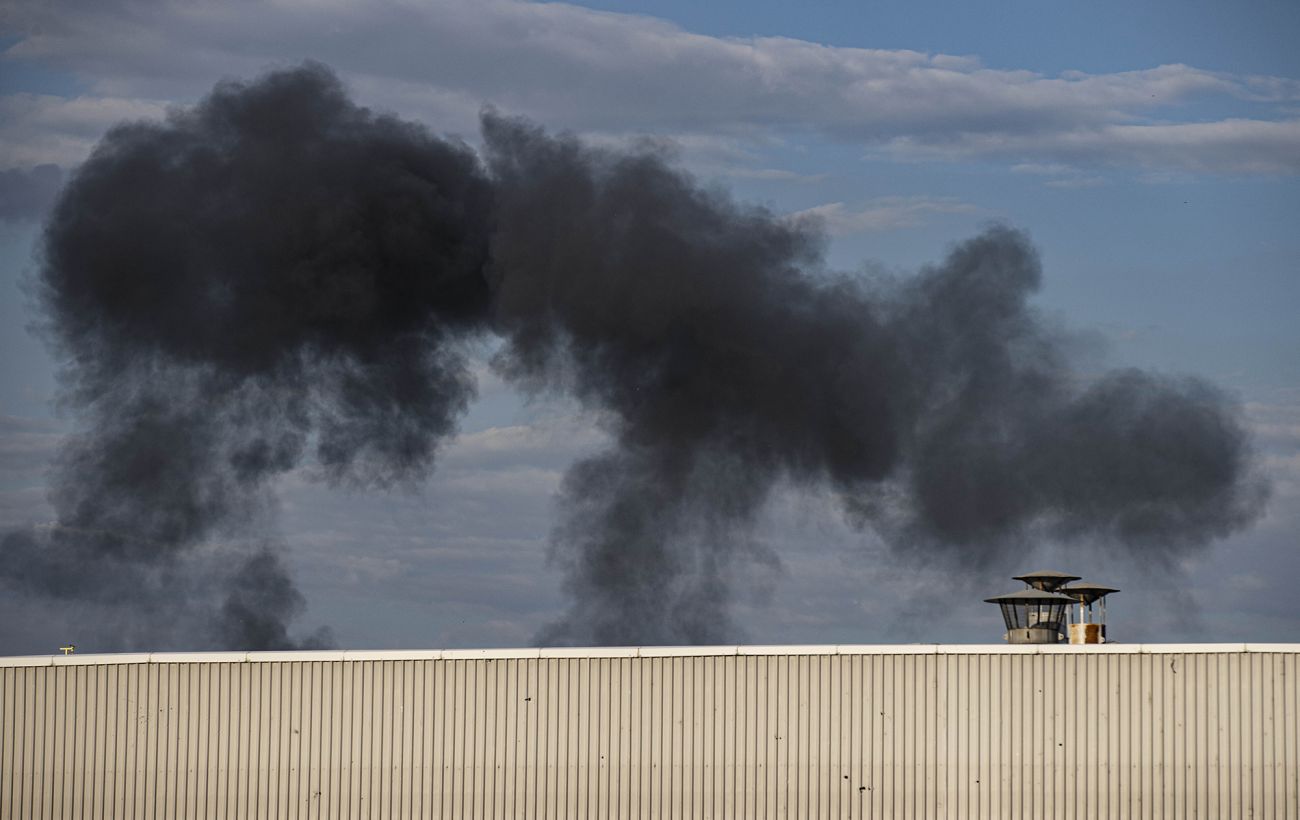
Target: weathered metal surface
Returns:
[1085, 633]
[1073, 732]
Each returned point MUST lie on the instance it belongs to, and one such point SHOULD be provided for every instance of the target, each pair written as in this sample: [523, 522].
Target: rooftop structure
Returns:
[1043, 612]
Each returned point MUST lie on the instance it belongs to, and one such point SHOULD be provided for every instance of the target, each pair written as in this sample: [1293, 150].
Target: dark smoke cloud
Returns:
[278, 274]
[273, 272]
[941, 406]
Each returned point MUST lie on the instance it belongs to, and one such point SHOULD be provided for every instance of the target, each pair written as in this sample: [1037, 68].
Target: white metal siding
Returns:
[703, 733]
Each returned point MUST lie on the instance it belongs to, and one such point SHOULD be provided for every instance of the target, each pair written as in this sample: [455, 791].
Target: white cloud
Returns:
[883, 214]
[545, 444]
[1077, 181]
[1275, 425]
[1226, 146]
[1059, 175]
[773, 175]
[39, 128]
[598, 71]
[27, 448]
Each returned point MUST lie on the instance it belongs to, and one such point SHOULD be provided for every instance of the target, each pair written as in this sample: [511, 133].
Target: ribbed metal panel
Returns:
[699, 733]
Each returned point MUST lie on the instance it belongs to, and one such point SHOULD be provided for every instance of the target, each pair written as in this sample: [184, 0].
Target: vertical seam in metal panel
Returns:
[657, 802]
[404, 715]
[376, 685]
[330, 728]
[689, 706]
[31, 741]
[389, 739]
[1292, 760]
[508, 689]
[253, 758]
[193, 717]
[75, 782]
[202, 728]
[525, 760]
[1267, 734]
[56, 777]
[339, 767]
[28, 747]
[63, 718]
[394, 737]
[1253, 661]
[1114, 716]
[322, 735]
[1126, 714]
[590, 788]
[612, 692]
[446, 731]
[47, 744]
[500, 695]
[55, 745]
[8, 739]
[40, 763]
[559, 725]
[236, 785]
[175, 741]
[428, 749]
[566, 771]
[364, 779]
[89, 779]
[203, 740]
[1189, 736]
[74, 741]
[546, 735]
[491, 736]
[1217, 685]
[10, 784]
[273, 726]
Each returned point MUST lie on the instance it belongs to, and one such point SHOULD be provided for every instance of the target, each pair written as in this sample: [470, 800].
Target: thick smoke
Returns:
[273, 272]
[941, 407]
[277, 274]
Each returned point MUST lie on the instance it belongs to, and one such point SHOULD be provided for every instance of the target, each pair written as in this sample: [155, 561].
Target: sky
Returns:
[1151, 152]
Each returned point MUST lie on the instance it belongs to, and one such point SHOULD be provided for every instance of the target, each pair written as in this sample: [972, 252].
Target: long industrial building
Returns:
[698, 732]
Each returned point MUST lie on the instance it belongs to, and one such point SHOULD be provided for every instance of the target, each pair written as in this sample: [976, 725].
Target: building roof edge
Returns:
[645, 652]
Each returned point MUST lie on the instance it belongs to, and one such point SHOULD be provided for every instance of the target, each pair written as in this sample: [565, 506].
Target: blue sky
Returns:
[1150, 150]
[1049, 37]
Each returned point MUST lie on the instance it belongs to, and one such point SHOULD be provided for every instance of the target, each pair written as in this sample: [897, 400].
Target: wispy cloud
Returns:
[1059, 175]
[1236, 146]
[27, 447]
[37, 129]
[883, 214]
[773, 175]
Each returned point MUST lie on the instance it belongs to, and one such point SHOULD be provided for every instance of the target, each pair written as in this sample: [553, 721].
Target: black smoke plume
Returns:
[272, 272]
[278, 274]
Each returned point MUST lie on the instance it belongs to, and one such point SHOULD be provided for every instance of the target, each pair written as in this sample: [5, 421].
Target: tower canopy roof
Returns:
[1030, 596]
[1046, 579]
[1086, 593]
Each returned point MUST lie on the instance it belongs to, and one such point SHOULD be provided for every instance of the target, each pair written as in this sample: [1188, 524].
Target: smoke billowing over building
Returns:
[278, 277]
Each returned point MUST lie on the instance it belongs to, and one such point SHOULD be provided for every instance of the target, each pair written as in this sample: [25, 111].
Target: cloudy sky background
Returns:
[1152, 153]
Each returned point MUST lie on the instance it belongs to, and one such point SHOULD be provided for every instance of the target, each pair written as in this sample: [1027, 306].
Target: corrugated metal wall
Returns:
[746, 732]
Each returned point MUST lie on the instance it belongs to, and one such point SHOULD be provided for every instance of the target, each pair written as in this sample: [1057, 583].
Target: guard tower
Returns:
[1033, 615]
[1043, 612]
